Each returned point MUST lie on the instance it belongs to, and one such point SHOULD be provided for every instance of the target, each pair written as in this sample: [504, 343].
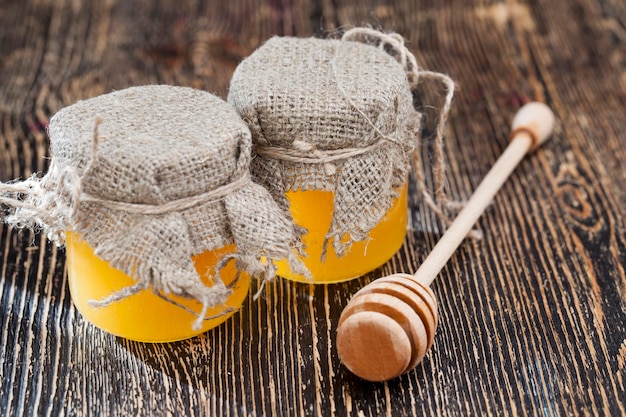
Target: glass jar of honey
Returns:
[334, 129]
[150, 190]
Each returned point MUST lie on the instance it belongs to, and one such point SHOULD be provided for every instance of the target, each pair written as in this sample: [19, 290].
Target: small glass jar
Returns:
[334, 129]
[151, 186]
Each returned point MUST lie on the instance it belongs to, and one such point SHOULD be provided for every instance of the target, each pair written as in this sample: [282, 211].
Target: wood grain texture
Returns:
[532, 318]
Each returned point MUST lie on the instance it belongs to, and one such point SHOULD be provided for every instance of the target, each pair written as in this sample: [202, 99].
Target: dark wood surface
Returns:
[533, 317]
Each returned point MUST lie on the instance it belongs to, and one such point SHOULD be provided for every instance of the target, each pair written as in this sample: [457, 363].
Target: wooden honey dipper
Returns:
[388, 326]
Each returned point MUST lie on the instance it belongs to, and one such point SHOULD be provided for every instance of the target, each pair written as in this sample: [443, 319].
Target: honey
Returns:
[145, 317]
[313, 210]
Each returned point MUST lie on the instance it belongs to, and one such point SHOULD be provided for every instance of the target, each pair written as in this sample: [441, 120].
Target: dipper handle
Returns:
[531, 126]
[388, 326]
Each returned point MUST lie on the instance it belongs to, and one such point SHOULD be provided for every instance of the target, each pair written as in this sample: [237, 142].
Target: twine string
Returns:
[394, 45]
[306, 153]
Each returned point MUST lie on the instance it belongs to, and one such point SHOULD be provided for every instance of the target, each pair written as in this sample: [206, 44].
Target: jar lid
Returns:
[155, 143]
[332, 94]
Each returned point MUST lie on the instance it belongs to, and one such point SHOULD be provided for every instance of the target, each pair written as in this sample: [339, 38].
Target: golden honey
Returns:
[313, 210]
[145, 317]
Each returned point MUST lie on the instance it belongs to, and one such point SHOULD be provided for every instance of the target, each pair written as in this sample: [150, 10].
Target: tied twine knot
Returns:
[307, 148]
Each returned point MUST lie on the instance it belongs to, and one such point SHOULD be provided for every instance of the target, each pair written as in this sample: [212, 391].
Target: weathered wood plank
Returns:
[533, 317]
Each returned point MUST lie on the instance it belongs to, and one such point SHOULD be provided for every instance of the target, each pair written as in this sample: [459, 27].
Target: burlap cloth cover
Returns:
[150, 176]
[331, 115]
[338, 115]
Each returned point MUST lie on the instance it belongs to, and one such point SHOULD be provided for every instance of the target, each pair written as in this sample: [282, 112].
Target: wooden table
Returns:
[532, 317]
